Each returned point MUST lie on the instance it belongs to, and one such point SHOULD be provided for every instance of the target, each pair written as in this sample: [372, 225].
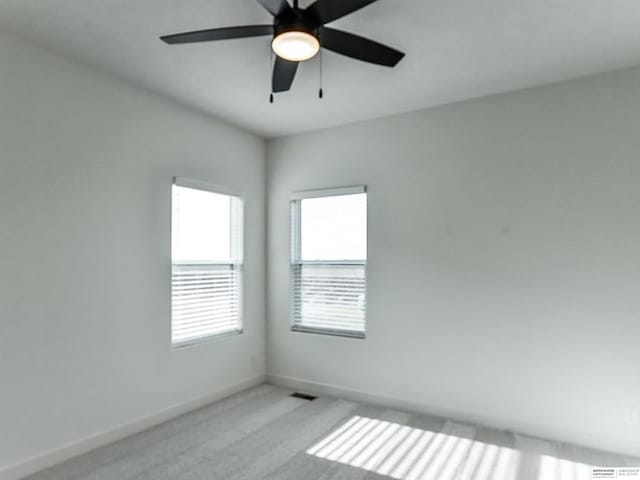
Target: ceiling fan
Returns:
[298, 34]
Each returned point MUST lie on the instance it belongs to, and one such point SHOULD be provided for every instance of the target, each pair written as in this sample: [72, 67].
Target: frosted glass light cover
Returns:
[295, 46]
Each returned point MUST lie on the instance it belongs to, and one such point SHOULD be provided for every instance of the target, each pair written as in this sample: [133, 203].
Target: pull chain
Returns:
[320, 92]
[270, 68]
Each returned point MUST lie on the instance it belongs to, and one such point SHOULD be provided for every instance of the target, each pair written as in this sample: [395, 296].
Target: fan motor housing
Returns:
[294, 23]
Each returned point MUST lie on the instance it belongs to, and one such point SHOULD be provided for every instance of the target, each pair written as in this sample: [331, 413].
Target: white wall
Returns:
[504, 260]
[86, 163]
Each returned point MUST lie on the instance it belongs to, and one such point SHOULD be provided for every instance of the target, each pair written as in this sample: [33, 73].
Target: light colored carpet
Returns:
[263, 433]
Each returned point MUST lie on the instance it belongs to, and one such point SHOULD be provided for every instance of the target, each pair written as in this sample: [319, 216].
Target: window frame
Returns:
[295, 259]
[237, 220]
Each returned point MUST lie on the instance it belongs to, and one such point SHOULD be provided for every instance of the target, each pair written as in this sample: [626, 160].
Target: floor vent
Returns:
[303, 396]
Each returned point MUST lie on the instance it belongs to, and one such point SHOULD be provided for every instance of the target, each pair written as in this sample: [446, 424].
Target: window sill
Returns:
[203, 340]
[334, 333]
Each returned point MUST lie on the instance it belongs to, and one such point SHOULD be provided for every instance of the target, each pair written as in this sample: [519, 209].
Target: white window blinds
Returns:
[206, 270]
[328, 261]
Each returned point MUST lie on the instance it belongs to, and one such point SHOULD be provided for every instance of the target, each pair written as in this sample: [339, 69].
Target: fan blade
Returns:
[329, 10]
[283, 73]
[224, 33]
[275, 7]
[359, 48]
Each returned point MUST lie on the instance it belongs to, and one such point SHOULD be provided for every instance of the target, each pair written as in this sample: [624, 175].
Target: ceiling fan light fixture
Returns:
[295, 37]
[295, 46]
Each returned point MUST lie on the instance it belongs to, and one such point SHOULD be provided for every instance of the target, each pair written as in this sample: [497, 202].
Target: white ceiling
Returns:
[456, 49]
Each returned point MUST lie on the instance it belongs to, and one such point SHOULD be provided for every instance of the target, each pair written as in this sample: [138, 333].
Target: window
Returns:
[206, 263]
[329, 260]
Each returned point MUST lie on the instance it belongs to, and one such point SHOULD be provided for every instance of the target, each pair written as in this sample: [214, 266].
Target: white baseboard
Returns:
[47, 459]
[606, 443]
